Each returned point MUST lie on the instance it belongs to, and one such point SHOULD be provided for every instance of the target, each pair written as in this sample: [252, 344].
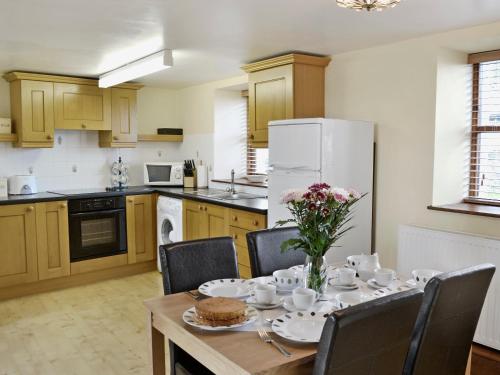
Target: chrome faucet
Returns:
[232, 190]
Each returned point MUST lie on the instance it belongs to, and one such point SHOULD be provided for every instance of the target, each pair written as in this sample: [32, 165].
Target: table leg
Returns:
[469, 364]
[156, 347]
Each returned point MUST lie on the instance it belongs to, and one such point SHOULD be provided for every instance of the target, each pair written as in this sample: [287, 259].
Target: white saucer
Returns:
[281, 290]
[373, 284]
[277, 302]
[333, 283]
[411, 283]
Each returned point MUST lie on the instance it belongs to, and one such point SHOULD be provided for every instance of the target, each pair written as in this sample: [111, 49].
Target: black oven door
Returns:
[97, 234]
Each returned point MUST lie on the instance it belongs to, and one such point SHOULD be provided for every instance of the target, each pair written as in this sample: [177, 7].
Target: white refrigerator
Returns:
[338, 152]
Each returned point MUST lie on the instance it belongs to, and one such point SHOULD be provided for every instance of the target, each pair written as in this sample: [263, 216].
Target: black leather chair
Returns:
[371, 338]
[447, 320]
[187, 265]
[264, 248]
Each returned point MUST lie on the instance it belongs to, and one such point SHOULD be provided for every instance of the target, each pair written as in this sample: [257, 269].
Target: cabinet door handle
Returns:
[205, 208]
[252, 136]
[30, 209]
[255, 222]
[130, 200]
[200, 208]
[63, 205]
[84, 126]
[235, 218]
[115, 138]
[49, 137]
[235, 236]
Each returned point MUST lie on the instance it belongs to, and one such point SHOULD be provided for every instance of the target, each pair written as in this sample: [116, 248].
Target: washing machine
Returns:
[169, 218]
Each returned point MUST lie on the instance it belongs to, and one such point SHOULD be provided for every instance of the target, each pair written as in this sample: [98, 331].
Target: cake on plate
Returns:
[221, 311]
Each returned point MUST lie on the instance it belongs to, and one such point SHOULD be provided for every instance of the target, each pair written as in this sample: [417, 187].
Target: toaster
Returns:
[21, 185]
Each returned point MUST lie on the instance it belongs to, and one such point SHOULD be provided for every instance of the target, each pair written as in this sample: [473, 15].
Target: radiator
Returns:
[446, 251]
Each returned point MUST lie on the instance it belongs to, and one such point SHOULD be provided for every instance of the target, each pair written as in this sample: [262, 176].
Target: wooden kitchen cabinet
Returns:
[32, 112]
[202, 220]
[123, 131]
[18, 252]
[141, 231]
[284, 87]
[52, 235]
[82, 107]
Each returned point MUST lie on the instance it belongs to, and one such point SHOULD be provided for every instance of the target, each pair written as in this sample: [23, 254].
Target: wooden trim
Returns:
[469, 209]
[159, 138]
[476, 58]
[75, 280]
[8, 137]
[292, 58]
[14, 76]
[98, 264]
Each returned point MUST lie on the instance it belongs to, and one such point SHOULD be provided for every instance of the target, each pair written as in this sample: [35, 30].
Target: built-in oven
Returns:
[97, 227]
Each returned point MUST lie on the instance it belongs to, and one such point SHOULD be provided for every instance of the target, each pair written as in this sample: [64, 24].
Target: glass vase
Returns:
[315, 273]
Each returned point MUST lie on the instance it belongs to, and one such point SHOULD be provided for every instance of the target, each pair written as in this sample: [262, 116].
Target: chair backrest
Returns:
[264, 248]
[186, 265]
[447, 320]
[371, 338]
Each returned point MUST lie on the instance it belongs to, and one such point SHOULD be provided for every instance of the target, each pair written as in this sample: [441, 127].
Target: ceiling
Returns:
[210, 38]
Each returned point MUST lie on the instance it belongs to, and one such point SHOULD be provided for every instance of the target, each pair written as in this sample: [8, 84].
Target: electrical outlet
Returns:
[31, 170]
[74, 168]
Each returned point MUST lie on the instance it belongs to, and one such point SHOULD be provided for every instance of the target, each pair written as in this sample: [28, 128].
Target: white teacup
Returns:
[304, 298]
[346, 276]
[384, 276]
[287, 279]
[422, 276]
[265, 293]
[353, 261]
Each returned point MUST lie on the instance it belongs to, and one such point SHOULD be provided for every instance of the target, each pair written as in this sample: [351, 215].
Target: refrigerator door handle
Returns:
[272, 167]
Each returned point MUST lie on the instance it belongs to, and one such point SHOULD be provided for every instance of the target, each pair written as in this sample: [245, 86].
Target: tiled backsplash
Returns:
[77, 160]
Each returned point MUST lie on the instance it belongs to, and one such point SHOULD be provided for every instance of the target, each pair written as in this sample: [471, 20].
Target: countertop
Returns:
[258, 205]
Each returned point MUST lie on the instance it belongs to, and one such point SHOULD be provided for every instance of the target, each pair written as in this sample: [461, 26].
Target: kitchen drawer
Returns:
[247, 220]
[243, 257]
[245, 272]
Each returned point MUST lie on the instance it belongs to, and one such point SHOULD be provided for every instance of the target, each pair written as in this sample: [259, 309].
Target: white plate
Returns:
[231, 288]
[278, 301]
[189, 317]
[301, 327]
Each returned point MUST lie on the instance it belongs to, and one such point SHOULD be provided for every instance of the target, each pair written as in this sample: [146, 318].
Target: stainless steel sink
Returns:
[225, 195]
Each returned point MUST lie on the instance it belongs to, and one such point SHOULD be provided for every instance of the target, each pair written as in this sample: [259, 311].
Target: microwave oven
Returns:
[164, 174]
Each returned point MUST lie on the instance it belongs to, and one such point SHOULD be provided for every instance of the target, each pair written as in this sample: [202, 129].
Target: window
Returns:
[484, 174]
[257, 158]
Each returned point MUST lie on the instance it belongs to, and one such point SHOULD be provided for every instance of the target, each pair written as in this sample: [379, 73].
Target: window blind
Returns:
[484, 174]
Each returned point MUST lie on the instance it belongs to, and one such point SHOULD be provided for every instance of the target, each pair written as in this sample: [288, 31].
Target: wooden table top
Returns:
[233, 352]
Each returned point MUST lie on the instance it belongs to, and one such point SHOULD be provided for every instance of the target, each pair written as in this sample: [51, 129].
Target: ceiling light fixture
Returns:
[368, 5]
[139, 68]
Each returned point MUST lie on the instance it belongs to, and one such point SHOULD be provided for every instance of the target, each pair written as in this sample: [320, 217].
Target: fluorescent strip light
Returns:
[139, 68]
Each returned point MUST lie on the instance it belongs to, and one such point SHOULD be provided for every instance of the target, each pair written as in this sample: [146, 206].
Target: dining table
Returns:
[238, 351]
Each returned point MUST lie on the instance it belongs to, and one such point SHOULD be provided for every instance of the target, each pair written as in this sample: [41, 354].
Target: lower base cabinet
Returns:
[141, 228]
[18, 258]
[202, 220]
[52, 240]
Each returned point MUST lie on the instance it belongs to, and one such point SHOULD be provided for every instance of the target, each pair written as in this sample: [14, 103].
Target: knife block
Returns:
[190, 182]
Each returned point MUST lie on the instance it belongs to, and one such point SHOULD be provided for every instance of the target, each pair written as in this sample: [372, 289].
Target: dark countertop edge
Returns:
[248, 204]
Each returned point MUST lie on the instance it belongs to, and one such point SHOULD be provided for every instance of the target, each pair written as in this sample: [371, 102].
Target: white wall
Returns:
[396, 86]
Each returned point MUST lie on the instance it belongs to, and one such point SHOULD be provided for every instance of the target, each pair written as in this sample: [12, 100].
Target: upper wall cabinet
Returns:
[123, 131]
[284, 87]
[81, 107]
[32, 112]
[41, 103]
